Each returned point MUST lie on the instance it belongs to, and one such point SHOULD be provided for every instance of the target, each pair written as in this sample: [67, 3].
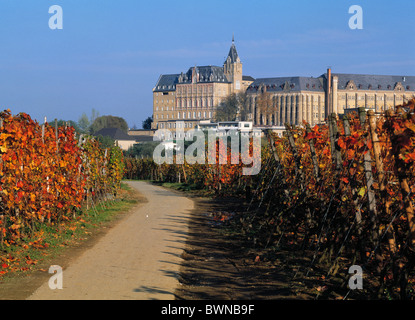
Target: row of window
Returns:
[187, 115]
[189, 103]
[172, 125]
[167, 101]
[189, 90]
[378, 97]
[202, 102]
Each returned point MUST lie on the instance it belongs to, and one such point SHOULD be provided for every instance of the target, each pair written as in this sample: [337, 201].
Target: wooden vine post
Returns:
[369, 180]
[316, 170]
[298, 170]
[381, 176]
[358, 214]
[334, 136]
[272, 144]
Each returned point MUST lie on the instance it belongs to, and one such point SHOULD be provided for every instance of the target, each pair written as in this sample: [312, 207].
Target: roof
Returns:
[233, 54]
[288, 84]
[114, 133]
[205, 74]
[167, 82]
[248, 78]
[374, 82]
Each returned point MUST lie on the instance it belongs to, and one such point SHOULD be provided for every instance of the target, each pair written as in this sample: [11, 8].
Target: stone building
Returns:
[276, 101]
[193, 96]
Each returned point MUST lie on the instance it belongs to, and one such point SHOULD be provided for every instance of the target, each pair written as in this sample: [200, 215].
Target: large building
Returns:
[193, 96]
[276, 101]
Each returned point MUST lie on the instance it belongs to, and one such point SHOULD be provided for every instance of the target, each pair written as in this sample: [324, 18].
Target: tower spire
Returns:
[233, 38]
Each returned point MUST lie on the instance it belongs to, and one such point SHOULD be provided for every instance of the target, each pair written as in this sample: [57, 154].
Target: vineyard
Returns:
[343, 191]
[47, 176]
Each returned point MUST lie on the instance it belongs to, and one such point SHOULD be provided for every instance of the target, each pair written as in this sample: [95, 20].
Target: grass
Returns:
[50, 240]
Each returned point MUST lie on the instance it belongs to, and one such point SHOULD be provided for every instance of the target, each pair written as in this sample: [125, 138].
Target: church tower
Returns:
[233, 68]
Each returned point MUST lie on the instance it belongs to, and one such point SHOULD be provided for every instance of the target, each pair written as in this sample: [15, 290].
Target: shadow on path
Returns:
[219, 267]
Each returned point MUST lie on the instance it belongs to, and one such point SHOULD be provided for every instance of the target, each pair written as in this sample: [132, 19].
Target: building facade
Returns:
[193, 96]
[276, 101]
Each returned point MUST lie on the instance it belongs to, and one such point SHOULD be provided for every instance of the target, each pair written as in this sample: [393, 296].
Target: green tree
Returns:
[147, 123]
[227, 109]
[83, 123]
[145, 149]
[105, 141]
[94, 115]
[108, 122]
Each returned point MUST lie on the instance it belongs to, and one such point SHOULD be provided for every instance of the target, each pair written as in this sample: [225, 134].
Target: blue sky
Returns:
[110, 54]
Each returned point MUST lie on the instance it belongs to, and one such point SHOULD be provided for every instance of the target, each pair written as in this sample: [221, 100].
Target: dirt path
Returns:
[137, 259]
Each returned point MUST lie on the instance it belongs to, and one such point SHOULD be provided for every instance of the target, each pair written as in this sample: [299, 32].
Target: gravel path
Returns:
[138, 259]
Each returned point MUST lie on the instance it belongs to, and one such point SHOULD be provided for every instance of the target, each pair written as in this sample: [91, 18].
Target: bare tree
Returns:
[265, 107]
[227, 109]
[243, 106]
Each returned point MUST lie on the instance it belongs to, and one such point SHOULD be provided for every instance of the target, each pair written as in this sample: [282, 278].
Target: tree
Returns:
[147, 123]
[105, 141]
[83, 123]
[227, 109]
[145, 149]
[243, 105]
[94, 115]
[108, 122]
[233, 107]
[265, 108]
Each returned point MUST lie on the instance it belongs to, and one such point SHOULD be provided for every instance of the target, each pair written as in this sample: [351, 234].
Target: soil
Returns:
[221, 264]
[216, 262]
